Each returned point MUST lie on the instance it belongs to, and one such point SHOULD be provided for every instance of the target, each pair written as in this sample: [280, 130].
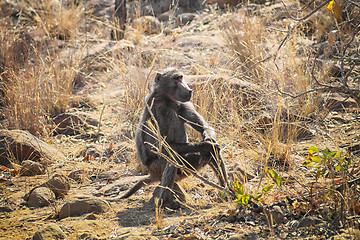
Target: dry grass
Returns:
[57, 19]
[35, 85]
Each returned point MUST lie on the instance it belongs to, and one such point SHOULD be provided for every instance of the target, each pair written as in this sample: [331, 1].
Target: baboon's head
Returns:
[170, 83]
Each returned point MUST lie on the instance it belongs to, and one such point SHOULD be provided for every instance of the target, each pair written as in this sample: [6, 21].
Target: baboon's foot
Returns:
[172, 199]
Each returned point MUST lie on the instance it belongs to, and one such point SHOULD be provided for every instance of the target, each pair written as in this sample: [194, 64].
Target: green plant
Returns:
[243, 198]
[327, 163]
[338, 193]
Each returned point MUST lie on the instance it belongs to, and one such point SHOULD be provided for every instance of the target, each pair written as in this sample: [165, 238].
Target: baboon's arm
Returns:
[183, 148]
[139, 139]
[196, 121]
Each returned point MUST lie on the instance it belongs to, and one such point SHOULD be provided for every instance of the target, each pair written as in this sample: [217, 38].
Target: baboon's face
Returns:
[172, 84]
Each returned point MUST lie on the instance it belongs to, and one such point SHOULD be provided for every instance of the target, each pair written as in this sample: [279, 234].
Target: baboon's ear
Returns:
[157, 77]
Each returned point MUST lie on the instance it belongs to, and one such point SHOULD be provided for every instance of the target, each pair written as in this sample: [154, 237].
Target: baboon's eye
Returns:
[178, 78]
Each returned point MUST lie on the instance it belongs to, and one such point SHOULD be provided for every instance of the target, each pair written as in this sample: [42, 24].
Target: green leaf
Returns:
[236, 186]
[245, 200]
[223, 193]
[242, 189]
[267, 188]
[313, 150]
[338, 168]
[325, 152]
[316, 159]
[337, 154]
[318, 174]
[258, 196]
[275, 177]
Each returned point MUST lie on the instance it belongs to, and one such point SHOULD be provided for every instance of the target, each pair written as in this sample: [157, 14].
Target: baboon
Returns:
[170, 107]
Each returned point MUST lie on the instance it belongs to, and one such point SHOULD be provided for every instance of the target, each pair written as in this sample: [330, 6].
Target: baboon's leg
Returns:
[146, 180]
[166, 186]
[176, 197]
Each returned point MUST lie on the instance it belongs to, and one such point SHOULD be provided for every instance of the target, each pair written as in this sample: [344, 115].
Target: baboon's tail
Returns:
[146, 180]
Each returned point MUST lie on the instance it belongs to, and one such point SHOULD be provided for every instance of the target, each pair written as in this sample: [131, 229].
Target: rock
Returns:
[73, 123]
[84, 205]
[309, 221]
[190, 5]
[106, 176]
[239, 237]
[92, 150]
[166, 16]
[77, 175]
[40, 197]
[185, 18]
[59, 184]
[31, 168]
[277, 215]
[50, 231]
[6, 205]
[22, 145]
[147, 24]
[89, 236]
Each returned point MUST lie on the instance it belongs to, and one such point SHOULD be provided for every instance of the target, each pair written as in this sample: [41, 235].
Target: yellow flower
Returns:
[330, 7]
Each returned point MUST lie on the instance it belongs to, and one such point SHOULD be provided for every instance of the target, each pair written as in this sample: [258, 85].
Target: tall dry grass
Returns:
[36, 82]
[57, 19]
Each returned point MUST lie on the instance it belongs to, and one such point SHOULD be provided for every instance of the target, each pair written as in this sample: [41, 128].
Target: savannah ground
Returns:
[56, 57]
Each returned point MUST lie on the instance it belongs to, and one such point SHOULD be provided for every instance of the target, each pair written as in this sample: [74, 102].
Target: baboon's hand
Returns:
[209, 146]
[210, 139]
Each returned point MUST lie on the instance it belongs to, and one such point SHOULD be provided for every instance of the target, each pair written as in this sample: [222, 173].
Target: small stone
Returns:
[59, 184]
[238, 237]
[91, 216]
[165, 16]
[310, 221]
[82, 205]
[147, 24]
[88, 236]
[31, 168]
[77, 175]
[277, 215]
[106, 176]
[40, 197]
[185, 18]
[50, 231]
